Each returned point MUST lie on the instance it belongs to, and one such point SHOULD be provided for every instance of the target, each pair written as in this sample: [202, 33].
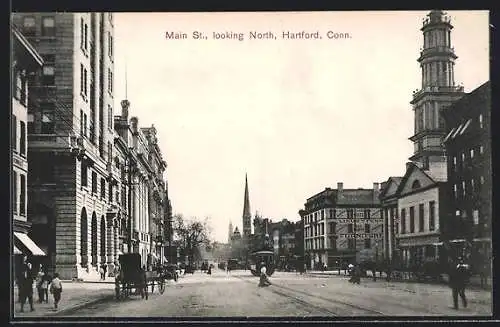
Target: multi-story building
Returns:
[141, 171]
[422, 205]
[157, 194]
[340, 224]
[389, 203]
[468, 146]
[71, 138]
[422, 201]
[25, 61]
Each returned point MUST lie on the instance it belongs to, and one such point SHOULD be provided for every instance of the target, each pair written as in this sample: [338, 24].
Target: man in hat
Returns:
[458, 278]
[25, 282]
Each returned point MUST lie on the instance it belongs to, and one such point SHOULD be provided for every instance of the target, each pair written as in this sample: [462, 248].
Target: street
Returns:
[237, 294]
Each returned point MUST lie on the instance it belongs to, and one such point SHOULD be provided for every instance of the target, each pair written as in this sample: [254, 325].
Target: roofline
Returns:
[34, 54]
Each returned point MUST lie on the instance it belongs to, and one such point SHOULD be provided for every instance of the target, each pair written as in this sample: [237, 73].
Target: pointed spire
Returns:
[247, 216]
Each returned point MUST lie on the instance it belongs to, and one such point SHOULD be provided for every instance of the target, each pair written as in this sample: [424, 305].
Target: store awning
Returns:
[16, 250]
[458, 241]
[29, 244]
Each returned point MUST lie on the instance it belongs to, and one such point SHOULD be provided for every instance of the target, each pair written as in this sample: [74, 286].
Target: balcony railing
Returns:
[436, 49]
[436, 88]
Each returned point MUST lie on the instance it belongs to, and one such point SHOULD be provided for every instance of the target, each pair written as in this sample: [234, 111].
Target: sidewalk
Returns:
[75, 295]
[474, 282]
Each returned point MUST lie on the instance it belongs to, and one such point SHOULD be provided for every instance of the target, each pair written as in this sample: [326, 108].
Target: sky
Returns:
[295, 115]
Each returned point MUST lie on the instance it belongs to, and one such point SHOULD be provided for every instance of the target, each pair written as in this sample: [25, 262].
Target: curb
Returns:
[79, 306]
[86, 282]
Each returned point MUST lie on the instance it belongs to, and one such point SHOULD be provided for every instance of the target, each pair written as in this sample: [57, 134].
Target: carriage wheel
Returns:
[161, 286]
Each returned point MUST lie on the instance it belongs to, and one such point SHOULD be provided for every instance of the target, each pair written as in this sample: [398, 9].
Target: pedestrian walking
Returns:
[264, 281]
[101, 272]
[25, 284]
[41, 284]
[56, 289]
[458, 278]
[105, 268]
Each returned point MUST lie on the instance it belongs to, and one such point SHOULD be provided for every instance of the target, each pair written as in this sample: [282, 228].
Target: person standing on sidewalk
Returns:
[56, 289]
[40, 278]
[25, 284]
[458, 277]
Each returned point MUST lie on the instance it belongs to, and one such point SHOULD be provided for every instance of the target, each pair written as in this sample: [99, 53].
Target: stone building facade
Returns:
[389, 203]
[342, 224]
[71, 138]
[468, 147]
[25, 62]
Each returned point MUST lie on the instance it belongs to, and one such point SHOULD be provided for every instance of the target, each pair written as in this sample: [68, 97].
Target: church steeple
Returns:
[230, 232]
[247, 216]
[437, 62]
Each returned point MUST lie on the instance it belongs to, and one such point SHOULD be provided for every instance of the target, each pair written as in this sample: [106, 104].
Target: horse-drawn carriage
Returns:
[258, 258]
[134, 279]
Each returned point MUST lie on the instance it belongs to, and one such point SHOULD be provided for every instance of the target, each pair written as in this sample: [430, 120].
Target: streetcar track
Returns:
[305, 303]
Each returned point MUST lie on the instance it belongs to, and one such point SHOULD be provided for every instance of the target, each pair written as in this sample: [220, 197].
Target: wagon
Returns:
[259, 257]
[133, 279]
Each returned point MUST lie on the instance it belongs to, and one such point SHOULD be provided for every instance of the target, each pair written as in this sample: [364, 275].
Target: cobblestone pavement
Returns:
[237, 294]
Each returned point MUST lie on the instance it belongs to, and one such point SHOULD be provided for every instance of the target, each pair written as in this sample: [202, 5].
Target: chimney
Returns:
[134, 121]
[125, 105]
[376, 192]
[340, 186]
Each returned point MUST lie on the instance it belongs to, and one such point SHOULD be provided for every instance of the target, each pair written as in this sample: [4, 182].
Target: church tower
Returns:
[438, 90]
[230, 232]
[247, 216]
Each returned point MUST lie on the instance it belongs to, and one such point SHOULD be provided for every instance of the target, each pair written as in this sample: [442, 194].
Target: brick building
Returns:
[468, 147]
[71, 137]
[340, 224]
[25, 61]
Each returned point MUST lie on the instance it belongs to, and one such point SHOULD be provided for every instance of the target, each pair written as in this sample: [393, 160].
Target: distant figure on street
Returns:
[25, 284]
[458, 278]
[264, 281]
[42, 284]
[56, 289]
[101, 272]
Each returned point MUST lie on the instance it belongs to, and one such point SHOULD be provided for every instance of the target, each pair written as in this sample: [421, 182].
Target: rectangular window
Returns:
[22, 196]
[82, 130]
[14, 192]
[84, 176]
[432, 215]
[472, 153]
[350, 229]
[481, 121]
[14, 133]
[103, 188]
[481, 179]
[463, 188]
[84, 124]
[455, 190]
[48, 124]
[48, 26]
[82, 33]
[94, 182]
[110, 117]
[412, 219]
[350, 243]
[333, 228]
[472, 185]
[367, 213]
[110, 193]
[367, 228]
[403, 221]
[350, 213]
[481, 149]
[31, 123]
[110, 152]
[85, 31]
[22, 139]
[29, 26]
[475, 217]
[322, 214]
[110, 46]
[85, 88]
[49, 78]
[421, 217]
[110, 81]
[368, 244]
[82, 83]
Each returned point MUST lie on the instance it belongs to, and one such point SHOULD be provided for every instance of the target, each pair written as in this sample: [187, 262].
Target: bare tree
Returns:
[191, 234]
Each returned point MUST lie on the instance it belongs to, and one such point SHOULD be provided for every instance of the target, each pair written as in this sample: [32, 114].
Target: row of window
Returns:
[463, 126]
[332, 213]
[421, 220]
[463, 214]
[22, 136]
[460, 189]
[457, 160]
[47, 110]
[48, 26]
[318, 244]
[19, 197]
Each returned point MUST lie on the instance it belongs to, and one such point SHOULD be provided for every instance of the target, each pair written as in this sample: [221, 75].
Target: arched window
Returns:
[415, 185]
[93, 244]
[84, 237]
[103, 239]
